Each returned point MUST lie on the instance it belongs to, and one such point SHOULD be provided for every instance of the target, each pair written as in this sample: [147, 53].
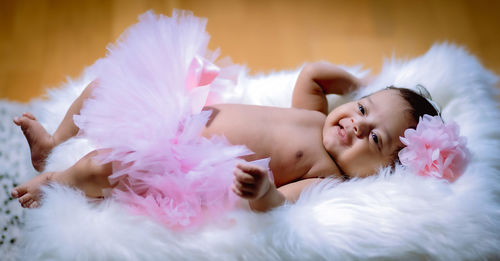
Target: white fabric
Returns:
[398, 216]
[15, 167]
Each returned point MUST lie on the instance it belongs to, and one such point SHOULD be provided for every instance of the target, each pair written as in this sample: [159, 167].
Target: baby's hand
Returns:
[250, 181]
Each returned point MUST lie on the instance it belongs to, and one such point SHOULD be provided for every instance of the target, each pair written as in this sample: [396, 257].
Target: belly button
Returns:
[299, 154]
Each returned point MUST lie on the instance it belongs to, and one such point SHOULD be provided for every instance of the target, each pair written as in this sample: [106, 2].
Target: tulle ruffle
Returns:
[142, 111]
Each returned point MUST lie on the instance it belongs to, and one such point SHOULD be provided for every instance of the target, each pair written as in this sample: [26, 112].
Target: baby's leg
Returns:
[86, 175]
[40, 141]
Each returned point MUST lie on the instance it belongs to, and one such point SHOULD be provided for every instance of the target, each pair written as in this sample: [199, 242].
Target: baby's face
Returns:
[364, 135]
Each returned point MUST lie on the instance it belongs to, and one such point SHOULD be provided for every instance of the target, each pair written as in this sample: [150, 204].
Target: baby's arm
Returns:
[251, 182]
[318, 79]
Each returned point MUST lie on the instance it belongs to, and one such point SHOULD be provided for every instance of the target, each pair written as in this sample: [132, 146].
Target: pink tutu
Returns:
[146, 111]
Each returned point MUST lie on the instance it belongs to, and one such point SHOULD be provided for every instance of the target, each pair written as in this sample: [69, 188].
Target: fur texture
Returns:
[15, 167]
[387, 217]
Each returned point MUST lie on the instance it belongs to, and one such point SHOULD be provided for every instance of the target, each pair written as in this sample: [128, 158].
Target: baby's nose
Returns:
[360, 128]
[357, 131]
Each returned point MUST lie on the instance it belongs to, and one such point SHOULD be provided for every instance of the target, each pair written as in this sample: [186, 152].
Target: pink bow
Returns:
[201, 73]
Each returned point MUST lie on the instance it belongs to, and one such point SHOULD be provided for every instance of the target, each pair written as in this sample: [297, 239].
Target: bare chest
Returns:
[292, 138]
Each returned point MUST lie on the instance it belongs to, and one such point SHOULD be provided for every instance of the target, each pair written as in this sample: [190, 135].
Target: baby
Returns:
[305, 143]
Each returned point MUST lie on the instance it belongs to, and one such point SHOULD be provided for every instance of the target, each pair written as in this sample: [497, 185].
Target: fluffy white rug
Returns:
[388, 217]
[14, 168]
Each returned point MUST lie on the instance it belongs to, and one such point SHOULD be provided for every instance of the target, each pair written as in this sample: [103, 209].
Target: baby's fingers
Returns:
[253, 170]
[243, 194]
[244, 187]
[243, 177]
[244, 190]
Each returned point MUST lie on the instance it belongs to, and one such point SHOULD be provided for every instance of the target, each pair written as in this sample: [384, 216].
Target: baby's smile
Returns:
[342, 134]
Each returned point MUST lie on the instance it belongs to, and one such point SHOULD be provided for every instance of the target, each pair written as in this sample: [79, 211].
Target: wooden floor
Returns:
[44, 41]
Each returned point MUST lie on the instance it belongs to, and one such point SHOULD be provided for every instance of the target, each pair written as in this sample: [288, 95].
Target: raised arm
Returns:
[318, 79]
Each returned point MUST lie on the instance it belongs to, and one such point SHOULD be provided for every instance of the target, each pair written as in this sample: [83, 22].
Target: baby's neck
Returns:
[340, 172]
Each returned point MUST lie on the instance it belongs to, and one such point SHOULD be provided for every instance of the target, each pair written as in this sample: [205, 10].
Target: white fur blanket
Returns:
[389, 216]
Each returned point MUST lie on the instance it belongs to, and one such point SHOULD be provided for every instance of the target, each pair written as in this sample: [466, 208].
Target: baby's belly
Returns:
[241, 125]
[269, 132]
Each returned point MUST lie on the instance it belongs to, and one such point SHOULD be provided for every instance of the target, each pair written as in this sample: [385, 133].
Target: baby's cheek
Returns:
[376, 165]
[358, 165]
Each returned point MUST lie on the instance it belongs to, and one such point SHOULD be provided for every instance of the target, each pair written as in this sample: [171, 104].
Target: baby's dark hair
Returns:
[419, 106]
[419, 102]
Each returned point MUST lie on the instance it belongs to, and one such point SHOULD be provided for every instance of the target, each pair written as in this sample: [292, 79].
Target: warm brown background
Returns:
[43, 41]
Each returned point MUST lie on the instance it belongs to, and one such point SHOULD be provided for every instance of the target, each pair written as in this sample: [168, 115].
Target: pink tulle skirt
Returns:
[144, 111]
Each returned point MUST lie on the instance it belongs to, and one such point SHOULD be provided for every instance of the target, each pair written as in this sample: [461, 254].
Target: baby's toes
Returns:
[34, 204]
[27, 203]
[18, 192]
[29, 115]
[22, 122]
[17, 121]
[24, 199]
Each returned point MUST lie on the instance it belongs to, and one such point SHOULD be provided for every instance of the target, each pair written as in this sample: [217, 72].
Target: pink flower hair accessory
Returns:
[435, 149]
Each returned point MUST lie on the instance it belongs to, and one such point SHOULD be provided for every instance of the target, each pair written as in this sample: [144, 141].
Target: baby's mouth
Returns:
[342, 133]
[343, 138]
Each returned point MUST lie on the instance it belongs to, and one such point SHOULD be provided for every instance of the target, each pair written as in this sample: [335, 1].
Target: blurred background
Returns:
[44, 41]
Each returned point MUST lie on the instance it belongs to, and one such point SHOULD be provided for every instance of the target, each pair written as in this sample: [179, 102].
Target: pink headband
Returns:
[435, 149]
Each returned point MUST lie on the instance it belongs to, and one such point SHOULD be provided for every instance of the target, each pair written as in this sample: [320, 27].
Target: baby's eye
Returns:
[361, 108]
[375, 138]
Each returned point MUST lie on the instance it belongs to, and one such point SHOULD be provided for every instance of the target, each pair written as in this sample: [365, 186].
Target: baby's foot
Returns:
[39, 140]
[29, 193]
